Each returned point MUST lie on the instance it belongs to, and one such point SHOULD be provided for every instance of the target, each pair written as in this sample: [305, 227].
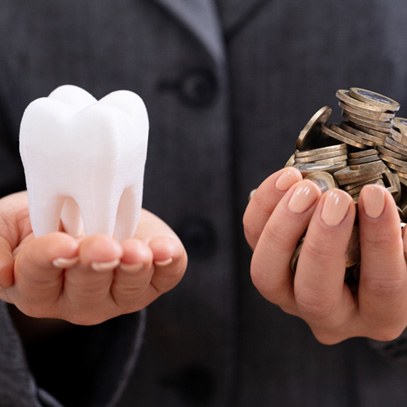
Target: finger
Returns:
[151, 226]
[15, 223]
[37, 280]
[6, 264]
[88, 283]
[170, 262]
[133, 276]
[383, 275]
[264, 200]
[323, 299]
[270, 269]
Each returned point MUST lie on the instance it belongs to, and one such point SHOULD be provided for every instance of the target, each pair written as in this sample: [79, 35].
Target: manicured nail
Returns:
[251, 194]
[105, 266]
[163, 263]
[132, 267]
[64, 263]
[373, 201]
[336, 206]
[286, 180]
[303, 197]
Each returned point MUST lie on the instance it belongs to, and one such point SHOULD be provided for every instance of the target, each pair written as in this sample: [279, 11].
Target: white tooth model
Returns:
[84, 161]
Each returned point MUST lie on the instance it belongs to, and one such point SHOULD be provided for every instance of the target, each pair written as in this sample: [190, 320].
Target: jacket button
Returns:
[198, 237]
[198, 87]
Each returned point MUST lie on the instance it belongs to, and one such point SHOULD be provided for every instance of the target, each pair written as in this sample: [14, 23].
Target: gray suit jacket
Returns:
[228, 86]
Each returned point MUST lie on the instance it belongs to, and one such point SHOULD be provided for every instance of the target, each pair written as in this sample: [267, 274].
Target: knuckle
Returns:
[276, 234]
[313, 306]
[126, 296]
[324, 250]
[383, 287]
[379, 241]
[164, 283]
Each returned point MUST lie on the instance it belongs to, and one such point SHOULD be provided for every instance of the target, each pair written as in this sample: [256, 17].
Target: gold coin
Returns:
[323, 179]
[400, 123]
[344, 96]
[356, 190]
[353, 250]
[337, 160]
[295, 256]
[363, 160]
[393, 160]
[397, 168]
[369, 114]
[357, 173]
[290, 162]
[380, 134]
[364, 181]
[392, 183]
[397, 135]
[376, 166]
[319, 157]
[370, 124]
[307, 136]
[336, 148]
[363, 153]
[374, 99]
[366, 138]
[384, 151]
[332, 132]
[394, 145]
[306, 169]
[353, 135]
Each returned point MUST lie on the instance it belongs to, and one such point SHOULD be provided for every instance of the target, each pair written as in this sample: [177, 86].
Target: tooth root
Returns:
[88, 153]
[45, 213]
[99, 218]
[127, 215]
[71, 217]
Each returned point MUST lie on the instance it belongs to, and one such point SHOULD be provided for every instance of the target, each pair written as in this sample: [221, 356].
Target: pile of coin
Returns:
[369, 146]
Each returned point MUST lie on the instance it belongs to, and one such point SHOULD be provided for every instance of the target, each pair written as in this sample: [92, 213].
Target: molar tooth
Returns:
[84, 161]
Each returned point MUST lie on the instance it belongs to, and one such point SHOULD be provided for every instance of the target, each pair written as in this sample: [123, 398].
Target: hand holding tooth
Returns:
[84, 163]
[88, 280]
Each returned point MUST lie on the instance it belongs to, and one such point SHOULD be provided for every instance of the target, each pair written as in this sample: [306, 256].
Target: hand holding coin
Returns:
[306, 239]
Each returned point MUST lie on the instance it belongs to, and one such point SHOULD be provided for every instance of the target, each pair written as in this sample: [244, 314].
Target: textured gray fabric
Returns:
[17, 386]
[200, 17]
[217, 130]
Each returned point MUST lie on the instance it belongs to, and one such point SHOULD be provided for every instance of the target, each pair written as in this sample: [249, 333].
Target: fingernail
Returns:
[106, 265]
[303, 197]
[251, 194]
[163, 263]
[63, 263]
[373, 201]
[336, 206]
[286, 180]
[132, 267]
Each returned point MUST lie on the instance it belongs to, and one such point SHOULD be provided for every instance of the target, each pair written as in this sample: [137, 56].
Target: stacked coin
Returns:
[394, 154]
[369, 146]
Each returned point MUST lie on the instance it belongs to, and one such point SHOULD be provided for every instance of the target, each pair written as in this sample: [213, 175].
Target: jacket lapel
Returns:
[201, 18]
[235, 14]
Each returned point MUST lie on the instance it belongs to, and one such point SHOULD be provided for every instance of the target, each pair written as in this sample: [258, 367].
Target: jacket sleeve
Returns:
[69, 366]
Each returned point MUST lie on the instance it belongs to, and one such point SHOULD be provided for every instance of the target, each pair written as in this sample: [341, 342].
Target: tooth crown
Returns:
[84, 161]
